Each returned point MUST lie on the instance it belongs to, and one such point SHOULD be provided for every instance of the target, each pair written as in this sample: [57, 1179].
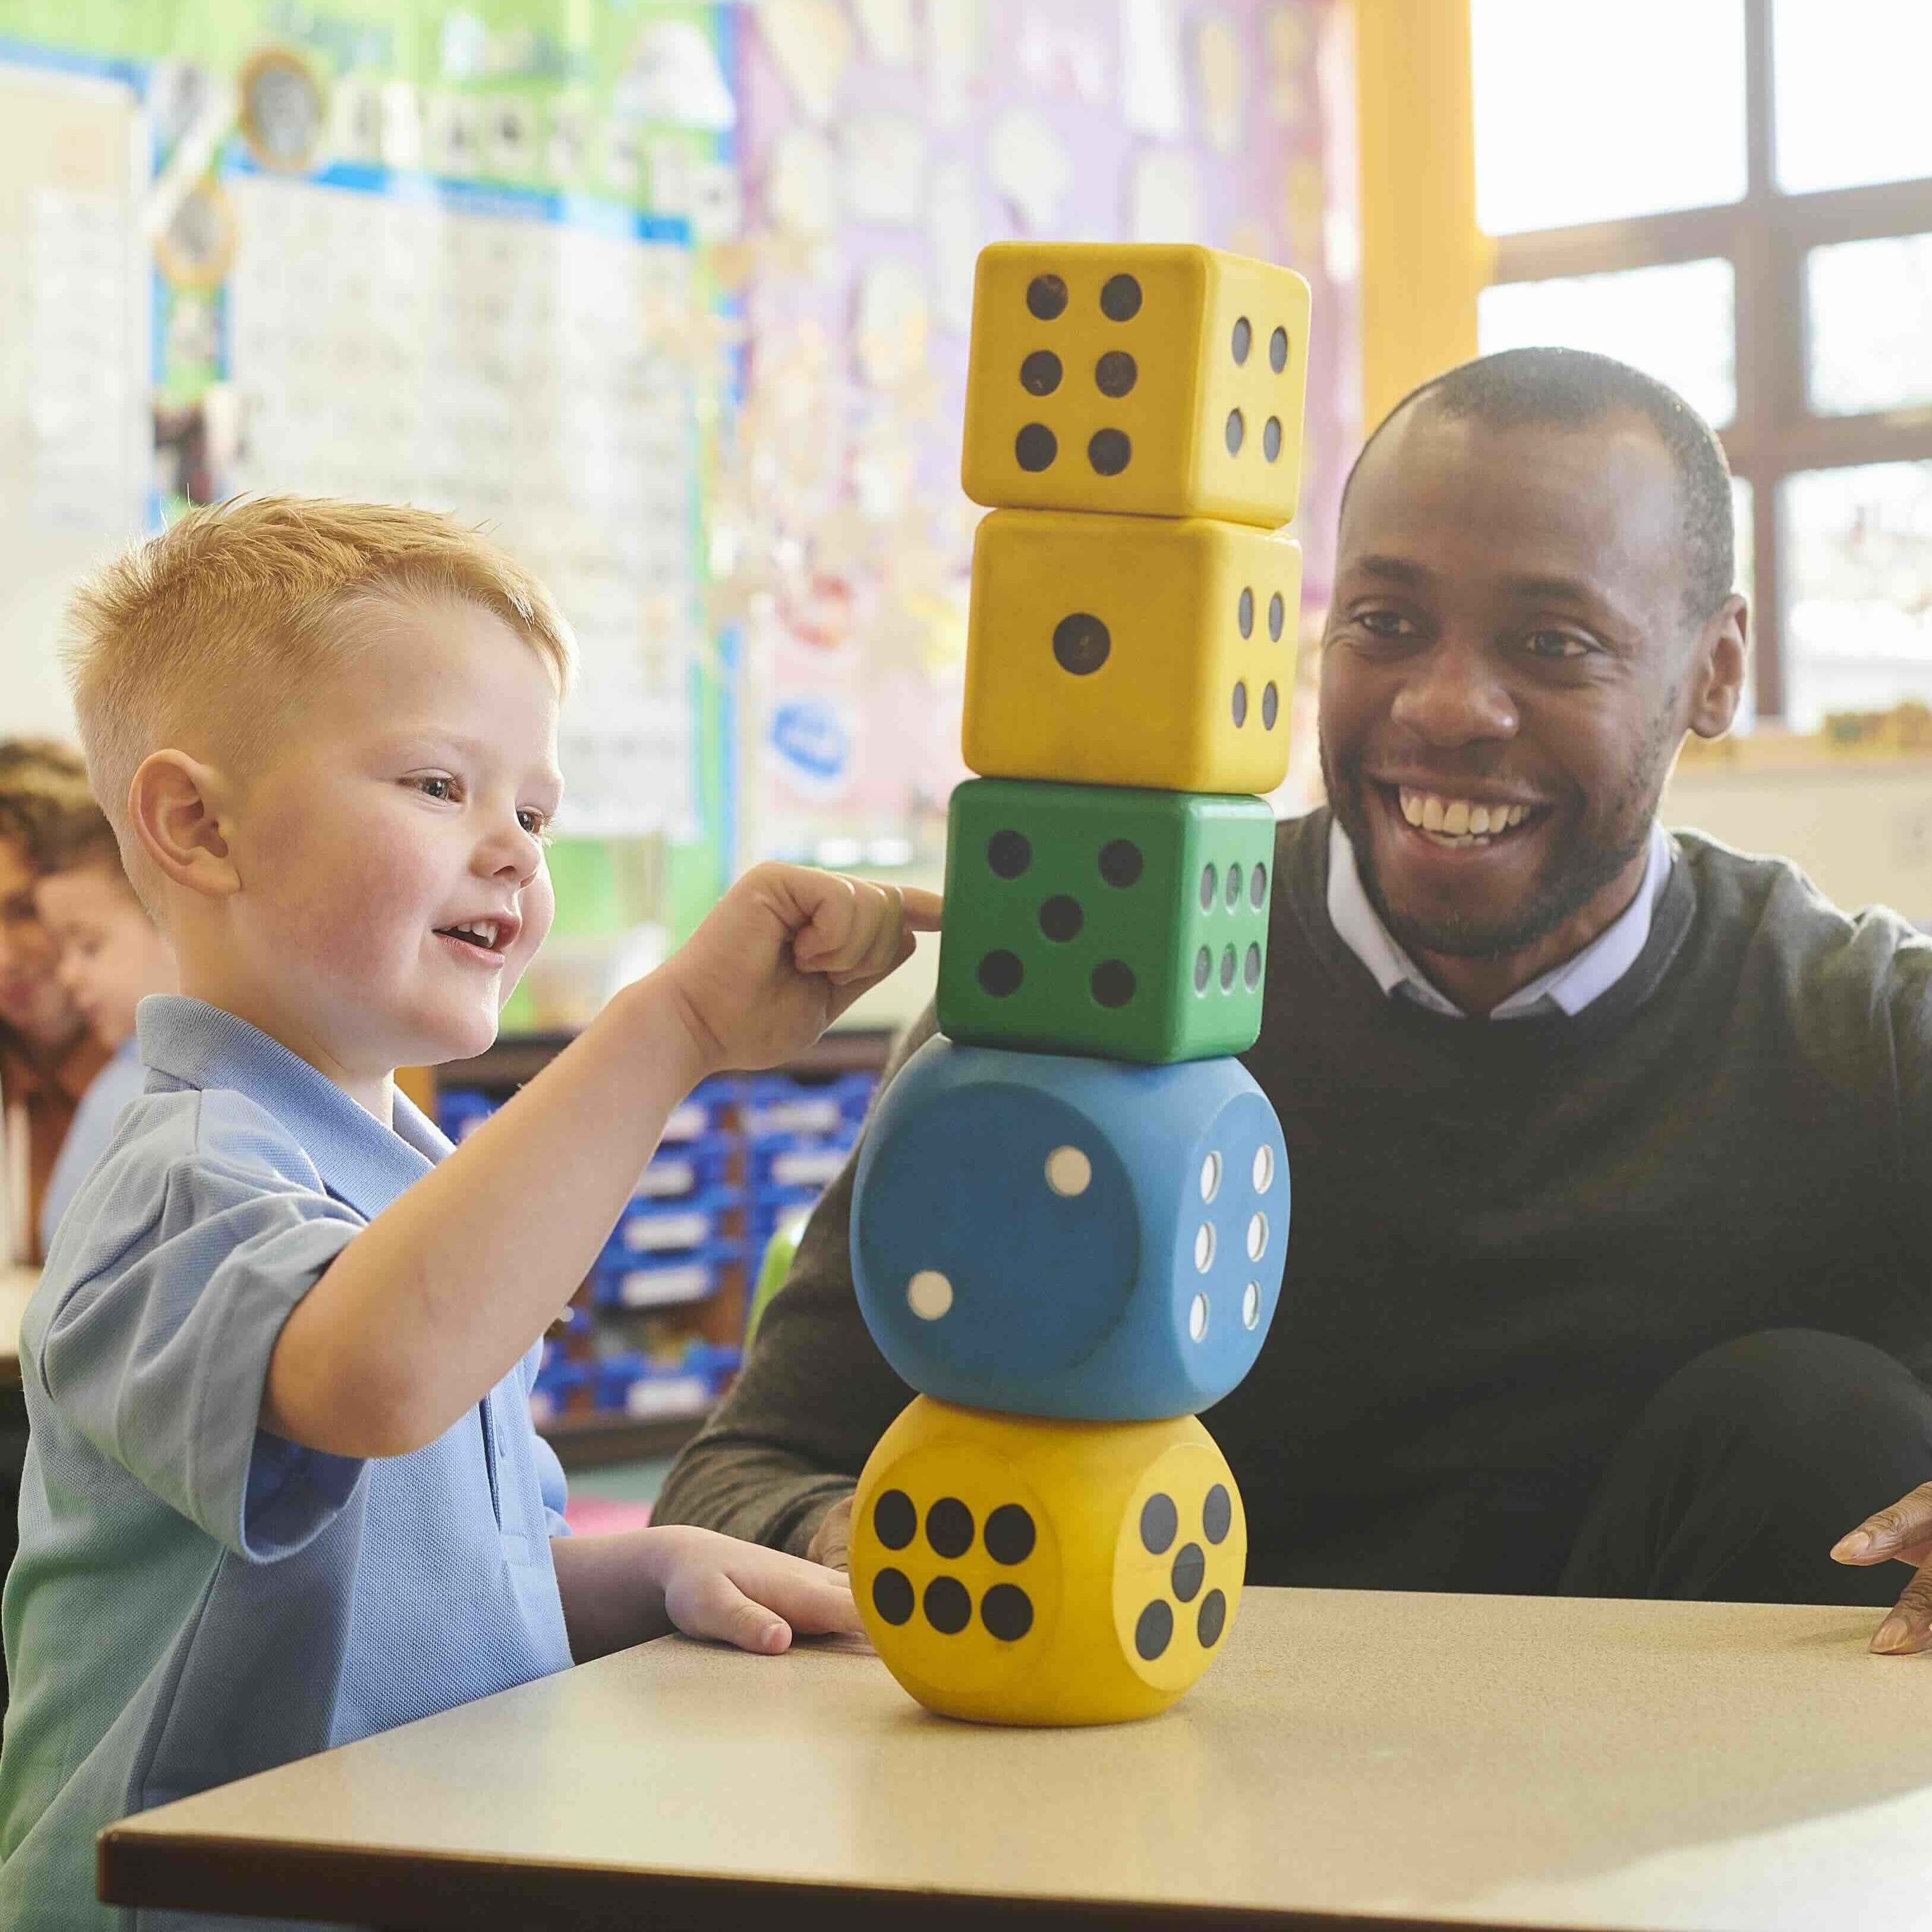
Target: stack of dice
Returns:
[1070, 1217]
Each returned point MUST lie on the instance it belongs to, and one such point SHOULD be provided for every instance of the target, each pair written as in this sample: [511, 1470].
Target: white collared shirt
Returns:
[1569, 987]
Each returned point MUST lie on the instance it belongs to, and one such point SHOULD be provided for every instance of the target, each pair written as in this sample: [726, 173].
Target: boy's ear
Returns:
[175, 805]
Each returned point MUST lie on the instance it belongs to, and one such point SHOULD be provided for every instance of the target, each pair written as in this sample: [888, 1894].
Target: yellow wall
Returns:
[1423, 259]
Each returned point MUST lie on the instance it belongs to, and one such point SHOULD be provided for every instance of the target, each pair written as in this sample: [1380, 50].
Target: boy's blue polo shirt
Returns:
[194, 1598]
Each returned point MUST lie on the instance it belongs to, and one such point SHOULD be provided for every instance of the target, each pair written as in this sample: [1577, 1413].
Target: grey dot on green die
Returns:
[1236, 430]
[1116, 373]
[1203, 968]
[1258, 887]
[1009, 853]
[1046, 297]
[1112, 983]
[1234, 886]
[892, 1595]
[1210, 888]
[1001, 973]
[1035, 448]
[1154, 1631]
[1243, 339]
[1120, 862]
[1244, 613]
[1213, 1619]
[894, 1521]
[948, 1608]
[1228, 963]
[1120, 298]
[1081, 643]
[1159, 1521]
[1278, 351]
[1060, 918]
[1251, 968]
[1040, 372]
[1109, 451]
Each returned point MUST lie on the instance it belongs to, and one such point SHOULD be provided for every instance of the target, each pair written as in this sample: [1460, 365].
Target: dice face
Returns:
[1150, 378]
[1086, 919]
[1132, 651]
[1048, 1236]
[1028, 1572]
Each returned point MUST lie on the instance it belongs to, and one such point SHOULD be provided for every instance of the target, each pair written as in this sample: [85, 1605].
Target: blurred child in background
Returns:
[111, 958]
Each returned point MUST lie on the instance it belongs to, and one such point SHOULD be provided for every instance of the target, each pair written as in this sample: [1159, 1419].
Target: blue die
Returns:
[1084, 1238]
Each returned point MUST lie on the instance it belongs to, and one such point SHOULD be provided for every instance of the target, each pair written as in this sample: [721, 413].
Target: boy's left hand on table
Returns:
[1902, 1533]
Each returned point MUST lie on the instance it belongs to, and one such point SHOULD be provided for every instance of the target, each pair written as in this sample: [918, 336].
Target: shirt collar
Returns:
[1569, 987]
[360, 1160]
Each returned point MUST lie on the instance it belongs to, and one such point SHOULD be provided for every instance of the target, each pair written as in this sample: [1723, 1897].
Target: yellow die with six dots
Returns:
[1023, 1571]
[1158, 379]
[1131, 651]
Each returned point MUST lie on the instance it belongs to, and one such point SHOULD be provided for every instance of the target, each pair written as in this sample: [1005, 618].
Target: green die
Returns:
[1126, 924]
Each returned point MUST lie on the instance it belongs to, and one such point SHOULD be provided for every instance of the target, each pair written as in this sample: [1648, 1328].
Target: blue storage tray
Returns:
[671, 1227]
[686, 1168]
[665, 1280]
[778, 1104]
[799, 1160]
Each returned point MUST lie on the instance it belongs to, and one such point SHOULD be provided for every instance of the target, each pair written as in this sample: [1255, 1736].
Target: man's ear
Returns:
[1718, 668]
[175, 806]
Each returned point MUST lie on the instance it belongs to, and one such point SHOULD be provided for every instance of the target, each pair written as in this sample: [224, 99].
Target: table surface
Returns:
[17, 1288]
[1352, 1757]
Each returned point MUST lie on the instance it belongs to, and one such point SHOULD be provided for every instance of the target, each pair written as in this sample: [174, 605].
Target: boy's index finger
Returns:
[923, 908]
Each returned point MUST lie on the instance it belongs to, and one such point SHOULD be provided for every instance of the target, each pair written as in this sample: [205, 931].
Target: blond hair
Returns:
[216, 627]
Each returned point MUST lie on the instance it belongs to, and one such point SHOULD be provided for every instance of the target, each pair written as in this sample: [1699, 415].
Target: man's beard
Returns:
[1583, 858]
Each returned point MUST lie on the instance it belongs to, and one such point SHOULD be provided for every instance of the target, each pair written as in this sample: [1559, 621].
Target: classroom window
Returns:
[1736, 196]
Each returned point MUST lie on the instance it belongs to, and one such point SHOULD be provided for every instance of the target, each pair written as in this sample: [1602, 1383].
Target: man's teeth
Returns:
[1458, 817]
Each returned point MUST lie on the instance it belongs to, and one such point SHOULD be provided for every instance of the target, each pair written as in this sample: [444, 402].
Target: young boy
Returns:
[111, 958]
[283, 1489]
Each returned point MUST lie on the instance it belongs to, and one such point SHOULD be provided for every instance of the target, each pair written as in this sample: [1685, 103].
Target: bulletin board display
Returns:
[445, 256]
[883, 144]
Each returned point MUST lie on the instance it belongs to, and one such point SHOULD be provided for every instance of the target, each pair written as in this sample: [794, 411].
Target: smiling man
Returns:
[1610, 1271]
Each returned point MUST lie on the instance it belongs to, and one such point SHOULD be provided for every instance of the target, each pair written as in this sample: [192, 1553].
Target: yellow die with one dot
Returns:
[1023, 1571]
[1131, 651]
[1154, 378]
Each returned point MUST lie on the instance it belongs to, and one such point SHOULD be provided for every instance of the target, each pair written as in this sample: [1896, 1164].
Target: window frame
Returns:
[1767, 237]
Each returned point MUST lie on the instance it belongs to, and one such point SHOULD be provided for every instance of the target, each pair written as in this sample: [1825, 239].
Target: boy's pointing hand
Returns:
[783, 954]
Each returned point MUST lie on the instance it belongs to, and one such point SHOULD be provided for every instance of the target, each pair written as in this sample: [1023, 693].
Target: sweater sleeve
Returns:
[816, 1395]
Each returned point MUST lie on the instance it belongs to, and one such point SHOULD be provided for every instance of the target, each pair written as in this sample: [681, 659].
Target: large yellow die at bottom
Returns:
[1131, 651]
[1017, 1570]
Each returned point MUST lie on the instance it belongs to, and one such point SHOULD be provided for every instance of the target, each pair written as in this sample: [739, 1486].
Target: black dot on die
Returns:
[1277, 616]
[1108, 451]
[1271, 438]
[1081, 643]
[1116, 373]
[1120, 298]
[1278, 351]
[1160, 1521]
[1271, 707]
[1237, 429]
[1001, 973]
[1155, 1630]
[1006, 1611]
[1251, 968]
[894, 1521]
[1060, 918]
[1228, 963]
[1046, 298]
[1039, 373]
[1203, 968]
[1210, 889]
[1213, 1619]
[1190, 1571]
[892, 1595]
[1009, 853]
[1217, 1513]
[1244, 337]
[1112, 983]
[1120, 861]
[948, 1608]
[1240, 704]
[949, 1527]
[1258, 887]
[1234, 886]
[1009, 1535]
[1034, 447]
[1244, 613]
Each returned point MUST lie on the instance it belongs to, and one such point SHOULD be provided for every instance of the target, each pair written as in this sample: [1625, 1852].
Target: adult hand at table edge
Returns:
[743, 1594]
[1902, 1533]
[831, 1542]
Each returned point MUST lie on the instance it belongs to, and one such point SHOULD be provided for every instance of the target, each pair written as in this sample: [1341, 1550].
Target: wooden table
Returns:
[17, 1288]
[1412, 1760]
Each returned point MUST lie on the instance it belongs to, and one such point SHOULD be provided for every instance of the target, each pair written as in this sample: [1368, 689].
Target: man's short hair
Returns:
[73, 840]
[43, 789]
[217, 627]
[1572, 388]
